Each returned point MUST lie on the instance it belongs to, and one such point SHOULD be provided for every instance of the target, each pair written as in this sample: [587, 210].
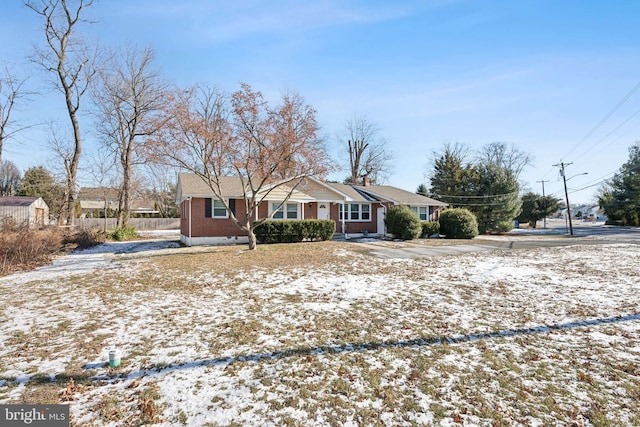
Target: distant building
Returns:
[31, 212]
[93, 202]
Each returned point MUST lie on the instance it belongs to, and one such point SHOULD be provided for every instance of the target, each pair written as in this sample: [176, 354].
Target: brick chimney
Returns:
[366, 181]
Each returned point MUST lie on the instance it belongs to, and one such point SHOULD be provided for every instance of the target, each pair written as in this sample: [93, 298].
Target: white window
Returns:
[421, 212]
[219, 211]
[214, 208]
[291, 210]
[355, 212]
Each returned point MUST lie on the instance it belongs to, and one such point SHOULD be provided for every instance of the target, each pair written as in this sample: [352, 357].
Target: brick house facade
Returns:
[356, 210]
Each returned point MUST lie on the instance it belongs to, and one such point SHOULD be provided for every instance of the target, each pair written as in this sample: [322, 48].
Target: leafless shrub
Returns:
[24, 249]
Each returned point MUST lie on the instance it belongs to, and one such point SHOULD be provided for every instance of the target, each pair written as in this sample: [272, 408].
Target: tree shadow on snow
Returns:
[358, 347]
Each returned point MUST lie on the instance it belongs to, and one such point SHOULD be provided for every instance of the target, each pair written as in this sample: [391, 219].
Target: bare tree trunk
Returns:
[124, 209]
[68, 59]
[73, 165]
[253, 242]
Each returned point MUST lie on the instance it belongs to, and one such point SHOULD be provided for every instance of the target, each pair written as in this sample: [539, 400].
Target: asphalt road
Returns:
[584, 234]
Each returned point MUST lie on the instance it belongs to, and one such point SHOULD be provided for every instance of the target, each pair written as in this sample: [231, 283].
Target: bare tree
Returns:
[64, 150]
[161, 177]
[505, 155]
[11, 89]
[9, 178]
[265, 147]
[102, 166]
[368, 153]
[129, 94]
[73, 65]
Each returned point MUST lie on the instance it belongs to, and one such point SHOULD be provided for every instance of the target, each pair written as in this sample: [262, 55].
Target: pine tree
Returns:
[453, 177]
[501, 202]
[38, 182]
[536, 207]
[621, 200]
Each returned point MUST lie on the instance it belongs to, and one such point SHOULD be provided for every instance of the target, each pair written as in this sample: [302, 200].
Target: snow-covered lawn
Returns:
[325, 334]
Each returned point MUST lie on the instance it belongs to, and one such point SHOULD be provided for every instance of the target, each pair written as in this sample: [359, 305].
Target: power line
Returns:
[601, 122]
[605, 118]
[607, 135]
[488, 196]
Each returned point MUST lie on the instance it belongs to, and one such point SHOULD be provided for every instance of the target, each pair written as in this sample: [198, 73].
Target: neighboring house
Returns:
[93, 202]
[24, 211]
[356, 209]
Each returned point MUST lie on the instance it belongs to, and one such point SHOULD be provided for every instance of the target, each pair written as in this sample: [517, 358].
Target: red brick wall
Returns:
[207, 227]
[219, 227]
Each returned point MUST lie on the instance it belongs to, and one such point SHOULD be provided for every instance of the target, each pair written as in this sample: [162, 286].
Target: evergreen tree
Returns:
[453, 177]
[500, 203]
[38, 182]
[621, 200]
[422, 190]
[536, 207]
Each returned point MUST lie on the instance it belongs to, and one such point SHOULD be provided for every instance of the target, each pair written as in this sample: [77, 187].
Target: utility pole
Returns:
[566, 194]
[545, 217]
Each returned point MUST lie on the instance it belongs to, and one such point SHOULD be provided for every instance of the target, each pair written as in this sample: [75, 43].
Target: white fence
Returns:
[138, 223]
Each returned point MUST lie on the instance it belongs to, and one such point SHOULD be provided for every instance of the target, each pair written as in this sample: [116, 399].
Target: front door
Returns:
[323, 211]
[381, 212]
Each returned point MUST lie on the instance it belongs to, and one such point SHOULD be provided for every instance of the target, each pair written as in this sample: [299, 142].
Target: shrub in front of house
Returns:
[274, 231]
[429, 228]
[403, 223]
[458, 223]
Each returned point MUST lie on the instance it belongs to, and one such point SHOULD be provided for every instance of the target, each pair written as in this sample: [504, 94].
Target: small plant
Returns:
[87, 238]
[458, 224]
[429, 228]
[127, 232]
[403, 223]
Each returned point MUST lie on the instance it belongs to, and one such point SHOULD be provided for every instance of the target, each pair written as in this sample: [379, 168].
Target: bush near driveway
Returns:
[429, 228]
[458, 223]
[403, 223]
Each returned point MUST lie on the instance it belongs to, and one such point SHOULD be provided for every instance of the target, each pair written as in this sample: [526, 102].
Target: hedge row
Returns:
[295, 231]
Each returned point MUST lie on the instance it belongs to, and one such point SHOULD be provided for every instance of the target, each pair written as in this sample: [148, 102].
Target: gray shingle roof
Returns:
[350, 192]
[398, 195]
[17, 201]
[194, 186]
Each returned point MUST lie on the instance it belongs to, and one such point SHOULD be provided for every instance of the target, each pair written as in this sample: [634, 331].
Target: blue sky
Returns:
[539, 74]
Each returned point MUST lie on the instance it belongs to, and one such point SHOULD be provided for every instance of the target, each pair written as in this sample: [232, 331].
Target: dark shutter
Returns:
[232, 206]
[207, 208]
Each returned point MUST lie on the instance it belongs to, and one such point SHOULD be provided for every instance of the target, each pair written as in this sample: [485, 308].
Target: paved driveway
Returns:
[518, 239]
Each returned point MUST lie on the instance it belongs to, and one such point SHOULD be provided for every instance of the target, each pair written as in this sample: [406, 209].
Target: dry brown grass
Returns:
[184, 314]
[24, 249]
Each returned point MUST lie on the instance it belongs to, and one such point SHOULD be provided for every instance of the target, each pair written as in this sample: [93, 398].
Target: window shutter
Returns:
[207, 208]
[232, 206]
